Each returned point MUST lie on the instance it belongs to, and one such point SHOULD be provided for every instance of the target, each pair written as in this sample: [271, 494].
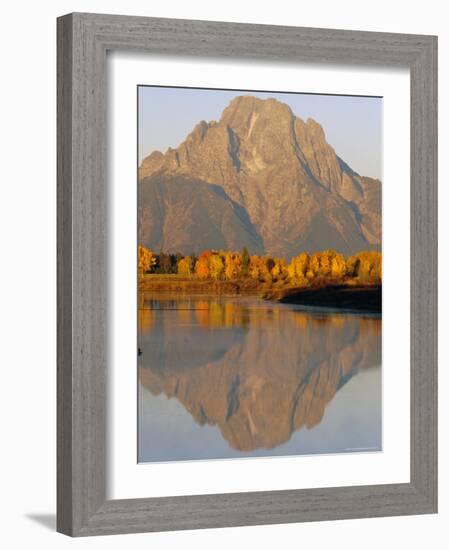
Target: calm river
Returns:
[225, 377]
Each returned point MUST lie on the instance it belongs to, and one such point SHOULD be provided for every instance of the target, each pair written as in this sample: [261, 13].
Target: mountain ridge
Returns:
[278, 187]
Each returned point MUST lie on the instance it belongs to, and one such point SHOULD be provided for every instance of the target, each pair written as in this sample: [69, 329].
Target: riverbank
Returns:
[355, 298]
[346, 297]
[190, 285]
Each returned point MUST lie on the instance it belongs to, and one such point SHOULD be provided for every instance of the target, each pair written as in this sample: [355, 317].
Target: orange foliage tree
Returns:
[202, 268]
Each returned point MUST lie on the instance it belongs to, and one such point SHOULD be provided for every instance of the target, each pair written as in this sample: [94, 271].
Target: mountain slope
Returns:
[185, 215]
[259, 177]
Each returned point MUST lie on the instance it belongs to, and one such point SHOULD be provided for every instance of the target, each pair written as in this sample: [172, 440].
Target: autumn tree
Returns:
[363, 274]
[206, 254]
[352, 266]
[338, 267]
[233, 264]
[378, 268]
[254, 267]
[298, 268]
[146, 260]
[216, 266]
[314, 266]
[366, 267]
[184, 266]
[266, 267]
[279, 271]
[326, 259]
[370, 267]
[202, 267]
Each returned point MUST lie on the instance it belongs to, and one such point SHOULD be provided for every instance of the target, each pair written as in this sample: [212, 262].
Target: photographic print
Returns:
[259, 274]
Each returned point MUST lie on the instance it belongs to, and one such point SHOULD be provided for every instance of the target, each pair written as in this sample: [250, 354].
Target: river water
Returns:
[231, 376]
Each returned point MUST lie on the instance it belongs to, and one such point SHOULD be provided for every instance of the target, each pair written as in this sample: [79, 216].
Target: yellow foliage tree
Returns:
[325, 264]
[254, 266]
[314, 265]
[146, 260]
[185, 266]
[298, 268]
[279, 270]
[376, 267]
[338, 267]
[233, 264]
[366, 267]
[216, 266]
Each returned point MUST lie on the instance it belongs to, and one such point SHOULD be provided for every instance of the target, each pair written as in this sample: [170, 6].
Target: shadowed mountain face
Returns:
[262, 373]
[261, 178]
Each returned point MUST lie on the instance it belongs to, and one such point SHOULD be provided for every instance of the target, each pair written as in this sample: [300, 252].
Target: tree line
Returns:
[303, 270]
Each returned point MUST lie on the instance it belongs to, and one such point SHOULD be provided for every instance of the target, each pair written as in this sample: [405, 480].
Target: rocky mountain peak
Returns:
[280, 175]
[243, 112]
[151, 164]
[198, 133]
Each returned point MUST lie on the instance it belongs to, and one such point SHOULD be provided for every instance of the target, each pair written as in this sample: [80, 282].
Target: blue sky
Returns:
[353, 125]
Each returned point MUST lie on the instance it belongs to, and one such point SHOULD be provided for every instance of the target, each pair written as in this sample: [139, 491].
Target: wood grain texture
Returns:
[424, 277]
[83, 40]
[64, 276]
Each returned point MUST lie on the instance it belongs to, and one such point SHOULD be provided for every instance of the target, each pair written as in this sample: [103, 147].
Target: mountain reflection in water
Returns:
[257, 371]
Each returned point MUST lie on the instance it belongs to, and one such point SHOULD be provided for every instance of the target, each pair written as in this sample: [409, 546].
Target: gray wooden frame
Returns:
[83, 40]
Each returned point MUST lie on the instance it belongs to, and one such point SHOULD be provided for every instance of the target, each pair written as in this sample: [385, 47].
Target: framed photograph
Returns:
[247, 274]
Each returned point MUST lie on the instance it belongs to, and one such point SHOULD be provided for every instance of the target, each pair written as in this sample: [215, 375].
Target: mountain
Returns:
[260, 177]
